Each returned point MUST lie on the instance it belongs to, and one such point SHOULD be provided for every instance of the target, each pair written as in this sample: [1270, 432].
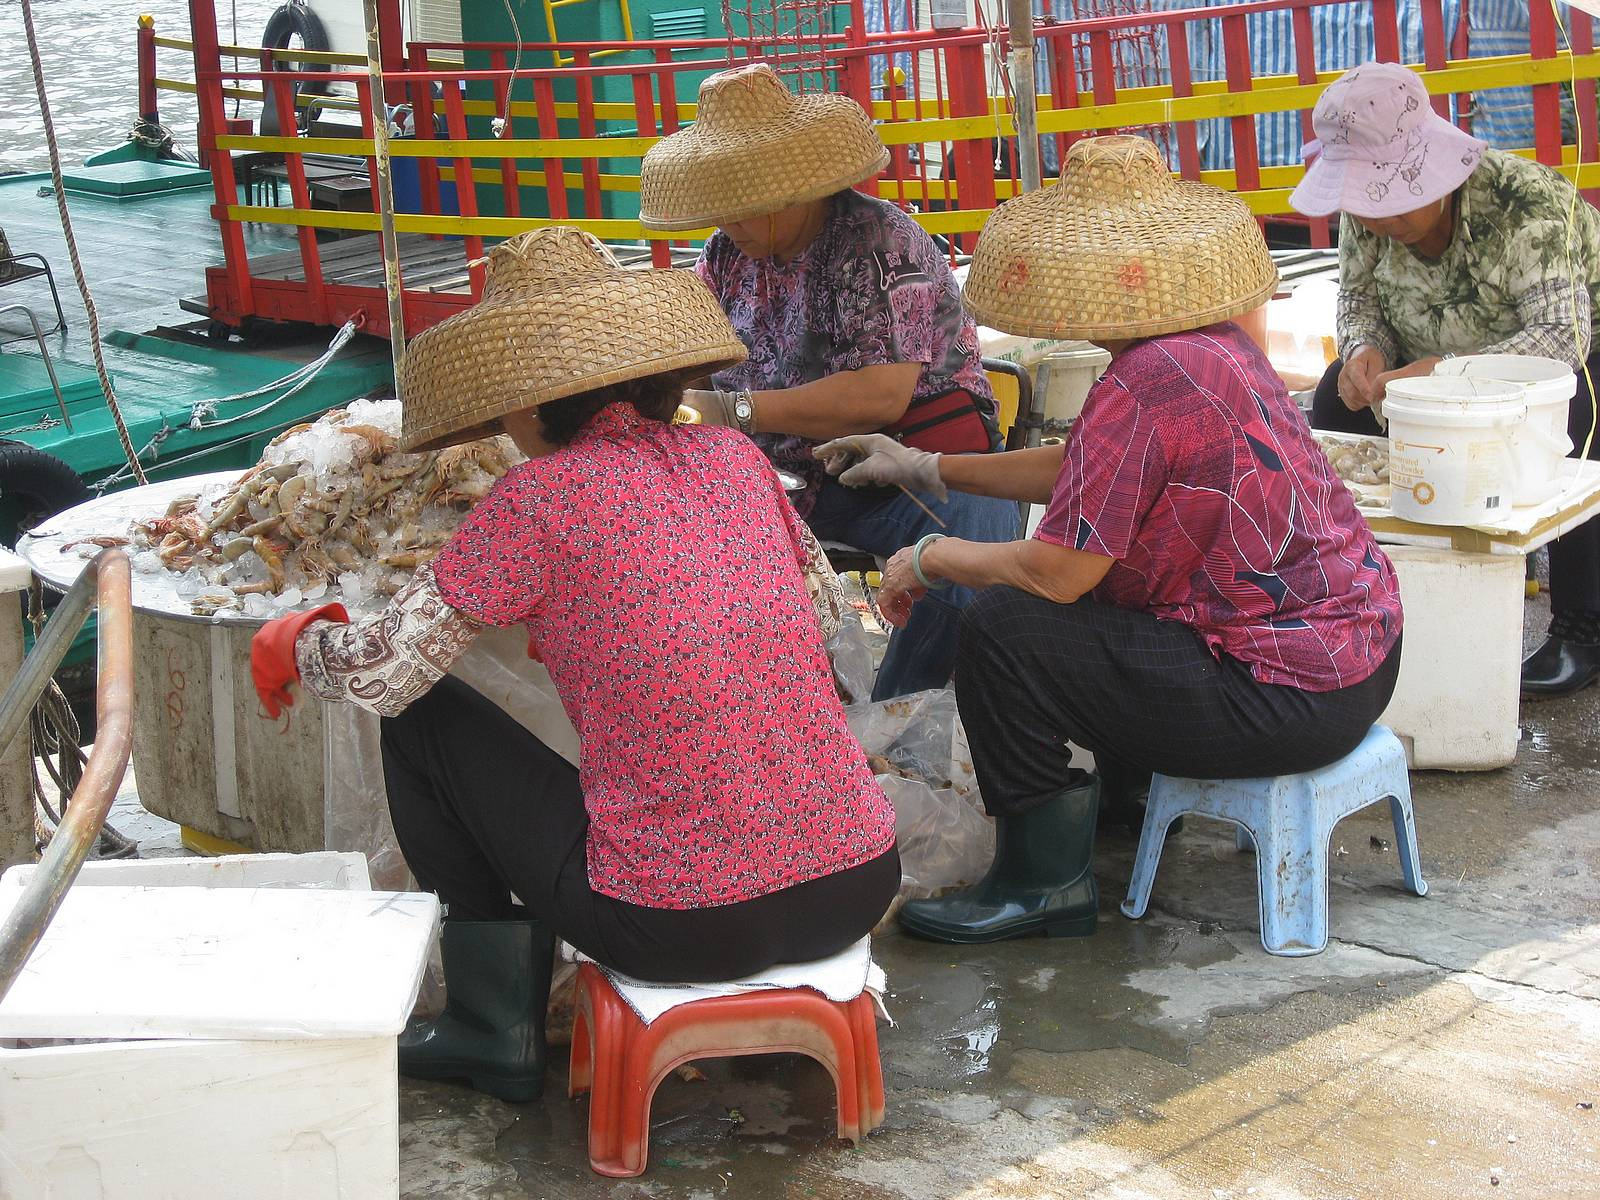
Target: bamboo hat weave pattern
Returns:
[1118, 249]
[558, 317]
[755, 148]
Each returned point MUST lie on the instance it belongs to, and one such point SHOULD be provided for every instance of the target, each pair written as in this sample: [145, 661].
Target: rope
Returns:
[299, 377]
[72, 245]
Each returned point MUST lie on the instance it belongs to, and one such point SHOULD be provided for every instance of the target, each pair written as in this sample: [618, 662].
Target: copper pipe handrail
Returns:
[109, 581]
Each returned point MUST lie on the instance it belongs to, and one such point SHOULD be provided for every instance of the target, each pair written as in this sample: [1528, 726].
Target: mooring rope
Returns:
[72, 244]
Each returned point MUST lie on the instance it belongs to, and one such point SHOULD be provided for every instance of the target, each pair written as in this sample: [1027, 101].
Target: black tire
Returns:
[289, 21]
[34, 485]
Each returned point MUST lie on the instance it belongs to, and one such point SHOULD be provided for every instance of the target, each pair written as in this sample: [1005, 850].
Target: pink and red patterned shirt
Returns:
[1194, 470]
[658, 571]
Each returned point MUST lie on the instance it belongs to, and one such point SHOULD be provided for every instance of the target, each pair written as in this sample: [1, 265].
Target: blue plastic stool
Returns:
[1289, 819]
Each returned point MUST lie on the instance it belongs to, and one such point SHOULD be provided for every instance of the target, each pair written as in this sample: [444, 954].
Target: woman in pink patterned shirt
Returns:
[1201, 598]
[722, 818]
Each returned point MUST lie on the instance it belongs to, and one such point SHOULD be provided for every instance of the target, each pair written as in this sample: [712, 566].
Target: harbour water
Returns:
[90, 59]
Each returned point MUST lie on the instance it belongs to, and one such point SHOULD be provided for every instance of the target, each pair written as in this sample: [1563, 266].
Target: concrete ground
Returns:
[1446, 1046]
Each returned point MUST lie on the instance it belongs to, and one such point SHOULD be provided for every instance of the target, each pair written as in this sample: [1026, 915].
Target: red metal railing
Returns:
[946, 130]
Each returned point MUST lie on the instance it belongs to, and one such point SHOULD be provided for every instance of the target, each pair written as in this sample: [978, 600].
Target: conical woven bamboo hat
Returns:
[755, 148]
[1118, 249]
[558, 317]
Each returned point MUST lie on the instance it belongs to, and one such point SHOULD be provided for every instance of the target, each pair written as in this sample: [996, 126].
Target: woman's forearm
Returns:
[385, 661]
[840, 404]
[1027, 475]
[1056, 573]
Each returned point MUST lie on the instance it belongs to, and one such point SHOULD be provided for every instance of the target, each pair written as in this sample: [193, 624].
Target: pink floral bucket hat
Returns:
[1380, 149]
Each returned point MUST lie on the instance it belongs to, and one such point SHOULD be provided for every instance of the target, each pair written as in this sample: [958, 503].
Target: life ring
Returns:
[287, 22]
[40, 483]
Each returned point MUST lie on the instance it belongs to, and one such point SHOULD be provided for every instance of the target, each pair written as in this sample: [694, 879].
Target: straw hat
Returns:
[1118, 249]
[558, 317]
[755, 148]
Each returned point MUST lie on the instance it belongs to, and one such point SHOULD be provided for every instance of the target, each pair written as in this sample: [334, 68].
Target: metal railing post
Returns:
[106, 583]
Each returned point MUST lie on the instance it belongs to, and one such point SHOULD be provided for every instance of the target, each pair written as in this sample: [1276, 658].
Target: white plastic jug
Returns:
[1540, 444]
[1451, 458]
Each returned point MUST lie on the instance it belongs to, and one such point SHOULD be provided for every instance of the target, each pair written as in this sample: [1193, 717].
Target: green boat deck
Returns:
[143, 255]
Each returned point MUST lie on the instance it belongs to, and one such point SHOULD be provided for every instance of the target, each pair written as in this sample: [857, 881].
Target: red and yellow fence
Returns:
[560, 159]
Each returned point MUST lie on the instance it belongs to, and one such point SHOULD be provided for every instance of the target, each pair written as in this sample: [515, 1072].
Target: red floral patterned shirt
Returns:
[658, 570]
[1194, 470]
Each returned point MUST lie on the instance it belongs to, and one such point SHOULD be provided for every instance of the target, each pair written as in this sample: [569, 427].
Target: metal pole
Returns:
[1019, 17]
[108, 579]
[380, 139]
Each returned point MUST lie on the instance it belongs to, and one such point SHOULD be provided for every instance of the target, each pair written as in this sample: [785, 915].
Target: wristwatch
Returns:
[744, 411]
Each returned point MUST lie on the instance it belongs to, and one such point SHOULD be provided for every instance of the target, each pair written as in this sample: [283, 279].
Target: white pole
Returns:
[380, 138]
[1019, 16]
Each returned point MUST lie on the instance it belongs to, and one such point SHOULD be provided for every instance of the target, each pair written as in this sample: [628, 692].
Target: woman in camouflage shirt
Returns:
[1449, 248]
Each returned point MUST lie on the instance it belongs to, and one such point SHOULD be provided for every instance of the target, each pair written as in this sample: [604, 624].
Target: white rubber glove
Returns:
[864, 459]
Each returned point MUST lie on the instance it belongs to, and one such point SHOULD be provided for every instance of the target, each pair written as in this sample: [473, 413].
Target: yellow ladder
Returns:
[566, 60]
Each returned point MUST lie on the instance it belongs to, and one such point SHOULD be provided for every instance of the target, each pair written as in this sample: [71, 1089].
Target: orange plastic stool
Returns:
[622, 1059]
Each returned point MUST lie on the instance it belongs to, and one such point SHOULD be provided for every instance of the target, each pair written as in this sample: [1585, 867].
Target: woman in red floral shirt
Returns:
[722, 817]
[1201, 598]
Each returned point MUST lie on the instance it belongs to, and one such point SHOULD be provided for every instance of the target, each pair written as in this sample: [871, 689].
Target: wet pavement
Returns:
[1444, 1046]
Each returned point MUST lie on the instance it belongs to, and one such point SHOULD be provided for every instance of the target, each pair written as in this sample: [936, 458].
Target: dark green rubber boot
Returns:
[1042, 879]
[491, 1033]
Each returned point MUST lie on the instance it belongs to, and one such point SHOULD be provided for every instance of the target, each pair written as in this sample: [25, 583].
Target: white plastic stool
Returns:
[1289, 819]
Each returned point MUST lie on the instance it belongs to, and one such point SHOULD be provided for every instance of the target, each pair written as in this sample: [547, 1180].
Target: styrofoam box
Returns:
[238, 1021]
[1455, 704]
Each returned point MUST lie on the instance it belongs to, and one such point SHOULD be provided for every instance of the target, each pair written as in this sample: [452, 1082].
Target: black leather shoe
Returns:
[1042, 879]
[1559, 668]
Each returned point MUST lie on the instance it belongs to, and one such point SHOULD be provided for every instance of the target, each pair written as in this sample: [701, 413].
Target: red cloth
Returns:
[657, 569]
[272, 666]
[1194, 470]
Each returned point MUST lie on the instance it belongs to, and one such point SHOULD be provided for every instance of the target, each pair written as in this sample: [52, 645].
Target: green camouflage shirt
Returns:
[1503, 286]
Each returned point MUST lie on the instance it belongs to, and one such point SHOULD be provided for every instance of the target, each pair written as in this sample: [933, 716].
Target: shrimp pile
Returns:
[1358, 462]
[333, 503]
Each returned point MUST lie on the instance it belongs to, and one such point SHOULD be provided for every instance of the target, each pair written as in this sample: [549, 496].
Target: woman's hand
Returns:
[1358, 378]
[863, 459]
[1423, 366]
[900, 589]
[714, 407]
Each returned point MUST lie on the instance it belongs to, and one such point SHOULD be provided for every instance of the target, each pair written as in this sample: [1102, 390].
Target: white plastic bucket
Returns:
[1451, 460]
[1541, 443]
[1065, 377]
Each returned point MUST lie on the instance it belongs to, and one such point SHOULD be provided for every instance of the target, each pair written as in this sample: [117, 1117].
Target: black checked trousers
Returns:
[1140, 694]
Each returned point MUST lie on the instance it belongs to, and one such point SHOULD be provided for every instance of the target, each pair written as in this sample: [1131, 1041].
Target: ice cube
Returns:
[147, 562]
[316, 590]
[289, 597]
[257, 605]
[354, 589]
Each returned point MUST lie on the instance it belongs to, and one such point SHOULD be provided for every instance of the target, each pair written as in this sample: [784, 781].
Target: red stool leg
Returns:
[612, 1027]
[869, 1067]
[580, 1071]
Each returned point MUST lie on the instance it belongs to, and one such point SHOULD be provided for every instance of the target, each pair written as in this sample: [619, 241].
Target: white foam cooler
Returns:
[235, 1024]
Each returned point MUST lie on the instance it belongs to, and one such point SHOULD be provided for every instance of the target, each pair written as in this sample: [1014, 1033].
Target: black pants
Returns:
[1140, 694]
[1575, 556]
[483, 809]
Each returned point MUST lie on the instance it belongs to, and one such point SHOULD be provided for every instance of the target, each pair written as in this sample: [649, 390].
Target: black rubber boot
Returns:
[1041, 881]
[491, 1033]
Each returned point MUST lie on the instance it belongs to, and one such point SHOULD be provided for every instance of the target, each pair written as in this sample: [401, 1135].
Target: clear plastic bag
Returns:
[918, 750]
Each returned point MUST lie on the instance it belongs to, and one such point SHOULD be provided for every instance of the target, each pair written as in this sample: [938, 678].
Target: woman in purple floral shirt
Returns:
[851, 316]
